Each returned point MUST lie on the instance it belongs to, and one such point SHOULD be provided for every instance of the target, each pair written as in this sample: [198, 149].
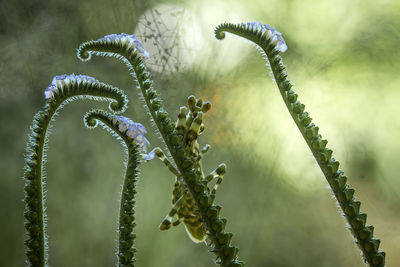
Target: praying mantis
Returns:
[190, 125]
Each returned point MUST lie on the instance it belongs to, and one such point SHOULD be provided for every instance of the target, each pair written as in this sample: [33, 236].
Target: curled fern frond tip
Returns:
[89, 121]
[123, 126]
[83, 55]
[219, 33]
[119, 106]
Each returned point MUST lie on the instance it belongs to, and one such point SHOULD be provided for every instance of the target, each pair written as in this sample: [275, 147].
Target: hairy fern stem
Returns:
[63, 90]
[126, 248]
[344, 195]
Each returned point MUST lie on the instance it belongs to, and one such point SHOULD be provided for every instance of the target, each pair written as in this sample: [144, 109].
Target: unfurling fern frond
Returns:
[131, 135]
[271, 43]
[62, 90]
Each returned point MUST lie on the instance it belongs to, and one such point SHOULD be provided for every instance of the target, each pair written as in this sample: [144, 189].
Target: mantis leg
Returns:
[160, 154]
[218, 174]
[166, 223]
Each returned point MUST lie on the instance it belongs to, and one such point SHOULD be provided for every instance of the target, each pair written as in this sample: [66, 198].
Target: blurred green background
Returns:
[344, 59]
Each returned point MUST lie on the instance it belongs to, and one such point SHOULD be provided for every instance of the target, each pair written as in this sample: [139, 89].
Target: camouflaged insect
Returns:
[190, 125]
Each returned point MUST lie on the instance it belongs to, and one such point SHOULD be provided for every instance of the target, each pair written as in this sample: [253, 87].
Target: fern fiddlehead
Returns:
[131, 52]
[63, 89]
[131, 136]
[271, 43]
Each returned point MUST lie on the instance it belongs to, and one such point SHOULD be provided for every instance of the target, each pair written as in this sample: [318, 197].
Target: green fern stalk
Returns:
[131, 52]
[271, 43]
[116, 126]
[64, 89]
